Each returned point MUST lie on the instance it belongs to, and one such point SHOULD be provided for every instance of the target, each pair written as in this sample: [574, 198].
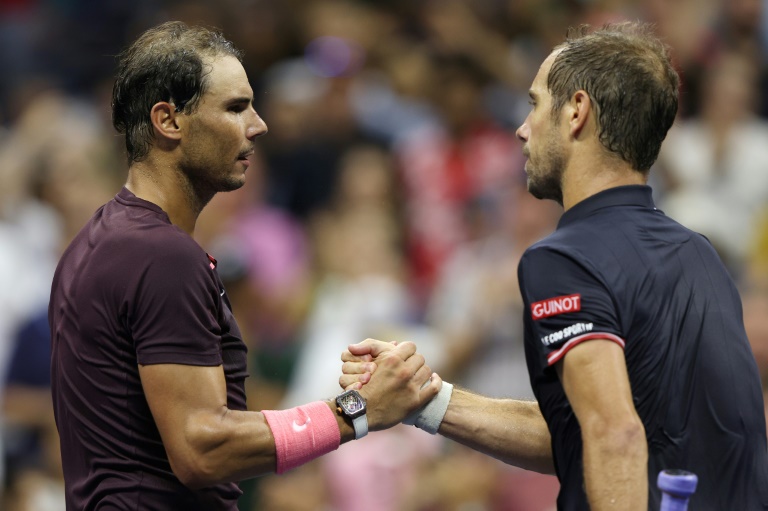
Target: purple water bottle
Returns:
[676, 487]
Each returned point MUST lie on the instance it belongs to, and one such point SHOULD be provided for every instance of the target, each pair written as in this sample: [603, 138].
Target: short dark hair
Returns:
[628, 74]
[164, 64]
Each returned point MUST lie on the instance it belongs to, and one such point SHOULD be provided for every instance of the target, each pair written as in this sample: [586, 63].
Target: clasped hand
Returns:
[393, 378]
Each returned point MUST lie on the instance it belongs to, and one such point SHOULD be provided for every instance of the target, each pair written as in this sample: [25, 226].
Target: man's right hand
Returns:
[359, 362]
[393, 379]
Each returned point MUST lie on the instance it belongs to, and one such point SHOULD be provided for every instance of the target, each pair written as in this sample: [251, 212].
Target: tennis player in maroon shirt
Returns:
[148, 363]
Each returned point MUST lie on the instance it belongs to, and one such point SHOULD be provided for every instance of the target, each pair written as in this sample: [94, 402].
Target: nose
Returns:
[257, 127]
[523, 132]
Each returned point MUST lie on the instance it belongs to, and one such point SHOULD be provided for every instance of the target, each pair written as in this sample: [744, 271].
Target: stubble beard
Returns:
[205, 172]
[204, 179]
[545, 179]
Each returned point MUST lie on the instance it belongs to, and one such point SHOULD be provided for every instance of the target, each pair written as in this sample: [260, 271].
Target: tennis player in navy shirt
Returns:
[634, 338]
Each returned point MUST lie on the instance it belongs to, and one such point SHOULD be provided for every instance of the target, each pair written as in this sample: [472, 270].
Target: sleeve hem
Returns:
[555, 356]
[183, 358]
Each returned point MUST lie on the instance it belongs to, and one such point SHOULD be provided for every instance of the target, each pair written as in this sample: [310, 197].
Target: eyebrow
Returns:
[239, 101]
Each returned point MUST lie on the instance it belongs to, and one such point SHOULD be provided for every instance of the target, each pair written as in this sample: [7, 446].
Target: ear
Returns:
[164, 120]
[579, 112]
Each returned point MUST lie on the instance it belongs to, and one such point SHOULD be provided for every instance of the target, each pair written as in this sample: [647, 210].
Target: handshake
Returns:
[396, 384]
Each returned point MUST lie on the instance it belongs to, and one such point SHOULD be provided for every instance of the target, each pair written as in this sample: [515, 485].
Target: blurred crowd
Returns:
[388, 200]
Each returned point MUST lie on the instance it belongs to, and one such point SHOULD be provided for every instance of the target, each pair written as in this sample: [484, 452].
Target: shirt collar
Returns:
[125, 196]
[630, 195]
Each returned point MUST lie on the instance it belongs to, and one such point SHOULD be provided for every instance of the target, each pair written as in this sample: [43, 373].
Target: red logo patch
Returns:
[555, 306]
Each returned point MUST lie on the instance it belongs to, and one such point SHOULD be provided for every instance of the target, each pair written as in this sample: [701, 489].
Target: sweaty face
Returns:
[219, 135]
[542, 141]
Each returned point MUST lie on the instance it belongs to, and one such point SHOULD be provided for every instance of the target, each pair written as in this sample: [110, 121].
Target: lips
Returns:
[243, 158]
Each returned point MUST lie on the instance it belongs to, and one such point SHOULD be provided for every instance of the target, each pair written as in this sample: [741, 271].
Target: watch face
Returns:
[352, 403]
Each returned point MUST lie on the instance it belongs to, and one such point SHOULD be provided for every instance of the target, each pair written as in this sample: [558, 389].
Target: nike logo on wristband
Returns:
[298, 428]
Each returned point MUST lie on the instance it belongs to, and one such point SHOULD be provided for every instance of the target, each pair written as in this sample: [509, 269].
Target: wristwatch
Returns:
[352, 404]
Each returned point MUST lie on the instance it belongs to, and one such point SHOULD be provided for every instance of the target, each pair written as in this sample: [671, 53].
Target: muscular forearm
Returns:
[616, 467]
[208, 443]
[509, 430]
[231, 446]
[228, 446]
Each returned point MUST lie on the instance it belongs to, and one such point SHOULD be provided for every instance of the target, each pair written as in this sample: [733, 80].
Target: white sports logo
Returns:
[298, 428]
[576, 329]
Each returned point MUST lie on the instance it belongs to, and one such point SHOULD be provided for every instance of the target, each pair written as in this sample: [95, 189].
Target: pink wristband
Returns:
[302, 434]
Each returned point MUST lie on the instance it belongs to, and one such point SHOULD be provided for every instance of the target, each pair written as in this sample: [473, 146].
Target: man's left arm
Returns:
[595, 379]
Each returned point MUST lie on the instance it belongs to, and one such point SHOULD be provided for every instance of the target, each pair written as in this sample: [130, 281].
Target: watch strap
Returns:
[361, 426]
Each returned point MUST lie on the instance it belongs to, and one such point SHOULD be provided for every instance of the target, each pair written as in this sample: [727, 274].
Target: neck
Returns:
[583, 181]
[165, 185]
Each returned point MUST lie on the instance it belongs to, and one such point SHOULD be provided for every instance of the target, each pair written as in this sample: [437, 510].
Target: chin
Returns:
[543, 191]
[233, 184]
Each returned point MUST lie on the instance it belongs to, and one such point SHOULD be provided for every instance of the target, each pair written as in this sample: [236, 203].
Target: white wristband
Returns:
[430, 416]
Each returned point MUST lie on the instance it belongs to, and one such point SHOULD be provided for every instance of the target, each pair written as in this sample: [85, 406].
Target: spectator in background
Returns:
[743, 28]
[307, 103]
[443, 169]
[300, 167]
[359, 277]
[739, 28]
[476, 308]
[477, 313]
[715, 163]
[391, 97]
[754, 291]
[687, 27]
[50, 183]
[35, 480]
[360, 291]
